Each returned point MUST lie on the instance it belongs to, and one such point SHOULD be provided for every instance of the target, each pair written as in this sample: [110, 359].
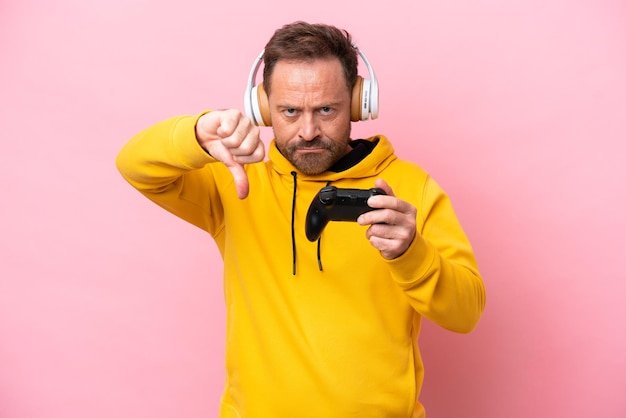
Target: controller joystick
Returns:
[336, 204]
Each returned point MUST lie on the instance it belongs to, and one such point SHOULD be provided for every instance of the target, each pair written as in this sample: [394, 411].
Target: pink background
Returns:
[111, 307]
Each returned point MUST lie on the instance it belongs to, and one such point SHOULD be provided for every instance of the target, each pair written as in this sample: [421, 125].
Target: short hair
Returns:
[301, 41]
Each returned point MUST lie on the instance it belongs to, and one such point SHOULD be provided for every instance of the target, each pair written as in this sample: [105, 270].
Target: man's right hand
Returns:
[232, 138]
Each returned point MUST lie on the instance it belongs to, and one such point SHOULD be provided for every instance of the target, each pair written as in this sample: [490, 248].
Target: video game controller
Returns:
[336, 204]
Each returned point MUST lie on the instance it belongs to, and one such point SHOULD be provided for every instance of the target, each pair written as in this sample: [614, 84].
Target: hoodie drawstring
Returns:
[293, 220]
[319, 255]
[293, 229]
[319, 245]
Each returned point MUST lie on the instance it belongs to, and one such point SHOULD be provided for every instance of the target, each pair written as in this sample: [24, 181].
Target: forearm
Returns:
[155, 158]
[438, 272]
[166, 164]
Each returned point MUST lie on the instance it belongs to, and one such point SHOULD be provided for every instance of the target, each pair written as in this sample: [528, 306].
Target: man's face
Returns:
[310, 111]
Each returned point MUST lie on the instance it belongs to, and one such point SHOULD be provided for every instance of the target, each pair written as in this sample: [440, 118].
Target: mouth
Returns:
[311, 150]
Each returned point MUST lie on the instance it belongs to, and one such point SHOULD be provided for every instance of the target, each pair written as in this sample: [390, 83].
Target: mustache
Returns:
[314, 143]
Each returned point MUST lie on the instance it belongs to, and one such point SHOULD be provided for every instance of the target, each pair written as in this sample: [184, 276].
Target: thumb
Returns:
[221, 153]
[241, 179]
[382, 184]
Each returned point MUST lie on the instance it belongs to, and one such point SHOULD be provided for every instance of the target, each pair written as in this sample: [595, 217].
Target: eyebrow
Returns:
[328, 104]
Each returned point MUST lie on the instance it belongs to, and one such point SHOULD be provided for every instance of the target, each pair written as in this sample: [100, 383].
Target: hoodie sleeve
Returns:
[167, 165]
[438, 272]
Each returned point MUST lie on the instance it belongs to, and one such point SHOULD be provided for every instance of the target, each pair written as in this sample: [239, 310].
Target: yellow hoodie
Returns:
[335, 342]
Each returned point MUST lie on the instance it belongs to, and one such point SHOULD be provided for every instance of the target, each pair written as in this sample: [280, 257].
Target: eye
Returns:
[290, 112]
[326, 110]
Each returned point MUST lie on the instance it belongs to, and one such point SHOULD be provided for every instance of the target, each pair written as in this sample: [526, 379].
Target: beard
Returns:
[318, 162]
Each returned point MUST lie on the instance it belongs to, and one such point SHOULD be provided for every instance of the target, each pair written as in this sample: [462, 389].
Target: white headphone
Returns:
[364, 96]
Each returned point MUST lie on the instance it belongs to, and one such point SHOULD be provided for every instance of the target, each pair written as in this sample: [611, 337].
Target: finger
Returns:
[250, 145]
[229, 121]
[391, 242]
[389, 249]
[255, 156]
[378, 216]
[390, 232]
[390, 210]
[239, 133]
[390, 201]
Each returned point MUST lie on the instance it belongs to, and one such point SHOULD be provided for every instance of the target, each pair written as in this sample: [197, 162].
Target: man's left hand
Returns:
[392, 227]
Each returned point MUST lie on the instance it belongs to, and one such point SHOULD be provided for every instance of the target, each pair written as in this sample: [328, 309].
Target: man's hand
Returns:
[393, 227]
[230, 137]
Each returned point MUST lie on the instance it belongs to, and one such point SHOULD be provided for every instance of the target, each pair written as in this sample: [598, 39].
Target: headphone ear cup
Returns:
[364, 104]
[357, 100]
[263, 105]
[258, 109]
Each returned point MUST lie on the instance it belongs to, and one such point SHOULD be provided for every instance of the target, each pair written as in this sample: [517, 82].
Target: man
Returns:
[326, 328]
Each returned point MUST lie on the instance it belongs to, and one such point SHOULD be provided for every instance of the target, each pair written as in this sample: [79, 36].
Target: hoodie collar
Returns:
[369, 158]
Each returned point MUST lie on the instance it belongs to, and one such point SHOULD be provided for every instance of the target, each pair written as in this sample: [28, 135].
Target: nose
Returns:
[309, 127]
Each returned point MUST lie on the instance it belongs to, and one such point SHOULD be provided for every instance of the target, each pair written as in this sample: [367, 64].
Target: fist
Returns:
[232, 138]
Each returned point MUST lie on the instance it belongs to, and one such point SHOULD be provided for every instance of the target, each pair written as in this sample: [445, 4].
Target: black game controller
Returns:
[335, 204]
